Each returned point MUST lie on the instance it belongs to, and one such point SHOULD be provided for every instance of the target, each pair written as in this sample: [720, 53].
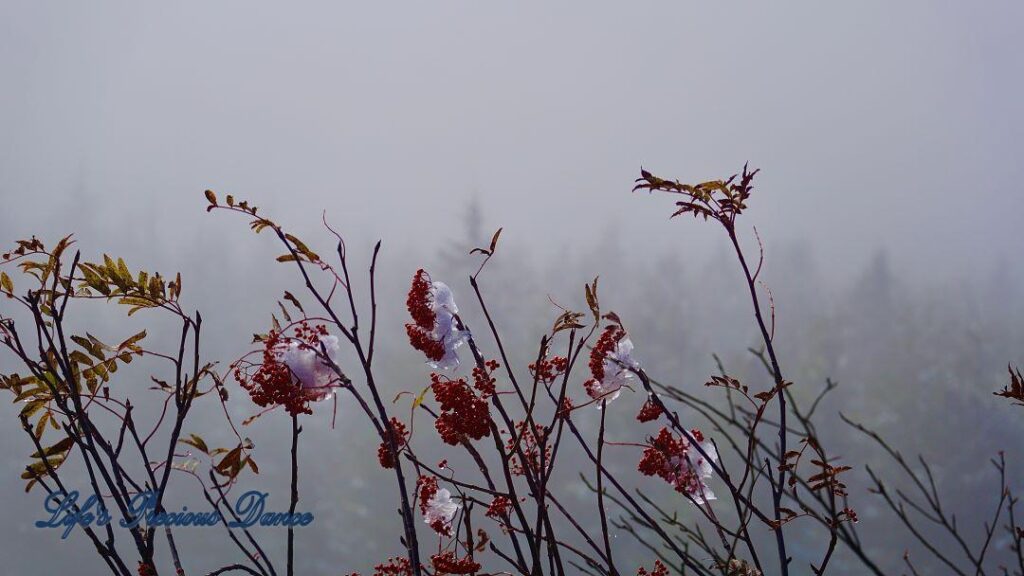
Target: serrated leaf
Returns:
[91, 345]
[131, 342]
[252, 418]
[38, 469]
[301, 247]
[494, 239]
[591, 293]
[60, 447]
[31, 407]
[197, 442]
[123, 273]
[32, 393]
[41, 424]
[295, 301]
[231, 463]
[80, 357]
[135, 301]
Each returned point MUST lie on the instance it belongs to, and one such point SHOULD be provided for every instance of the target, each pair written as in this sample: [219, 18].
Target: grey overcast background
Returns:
[889, 135]
[878, 124]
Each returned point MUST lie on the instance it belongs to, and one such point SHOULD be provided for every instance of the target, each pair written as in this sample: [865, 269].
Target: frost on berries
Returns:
[436, 505]
[434, 330]
[295, 369]
[674, 460]
[611, 362]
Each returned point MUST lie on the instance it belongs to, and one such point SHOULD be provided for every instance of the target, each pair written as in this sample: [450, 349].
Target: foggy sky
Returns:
[878, 125]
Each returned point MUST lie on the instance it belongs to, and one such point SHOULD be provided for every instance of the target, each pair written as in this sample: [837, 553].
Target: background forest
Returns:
[917, 363]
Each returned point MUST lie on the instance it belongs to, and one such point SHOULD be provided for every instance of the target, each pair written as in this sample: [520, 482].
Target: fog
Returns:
[877, 125]
[888, 135]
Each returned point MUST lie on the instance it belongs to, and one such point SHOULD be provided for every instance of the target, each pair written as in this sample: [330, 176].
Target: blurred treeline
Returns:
[916, 360]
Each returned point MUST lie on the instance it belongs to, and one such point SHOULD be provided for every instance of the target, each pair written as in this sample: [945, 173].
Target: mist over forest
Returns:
[918, 363]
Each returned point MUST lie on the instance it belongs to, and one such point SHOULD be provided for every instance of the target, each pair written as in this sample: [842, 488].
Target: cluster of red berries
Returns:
[659, 570]
[665, 457]
[657, 457]
[448, 563]
[649, 412]
[548, 369]
[394, 567]
[566, 408]
[419, 301]
[146, 569]
[463, 413]
[401, 435]
[498, 510]
[483, 378]
[424, 342]
[529, 444]
[420, 305]
[273, 383]
[426, 487]
[308, 335]
[668, 458]
[604, 346]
